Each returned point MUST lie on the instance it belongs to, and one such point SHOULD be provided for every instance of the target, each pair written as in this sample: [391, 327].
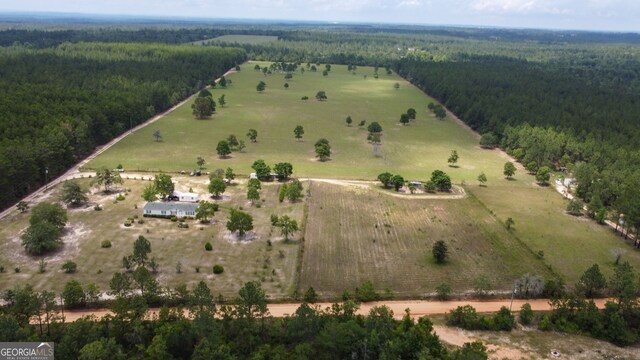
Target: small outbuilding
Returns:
[185, 196]
[169, 209]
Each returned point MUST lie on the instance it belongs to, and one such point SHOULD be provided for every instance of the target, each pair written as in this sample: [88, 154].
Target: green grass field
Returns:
[240, 39]
[413, 151]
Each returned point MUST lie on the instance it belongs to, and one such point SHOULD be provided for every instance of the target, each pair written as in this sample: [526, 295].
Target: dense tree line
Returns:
[547, 117]
[58, 103]
[214, 329]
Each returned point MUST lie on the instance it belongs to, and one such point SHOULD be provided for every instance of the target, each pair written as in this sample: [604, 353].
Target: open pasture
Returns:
[355, 234]
[243, 261]
[413, 151]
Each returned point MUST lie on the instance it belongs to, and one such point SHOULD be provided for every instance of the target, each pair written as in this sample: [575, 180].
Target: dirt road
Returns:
[418, 308]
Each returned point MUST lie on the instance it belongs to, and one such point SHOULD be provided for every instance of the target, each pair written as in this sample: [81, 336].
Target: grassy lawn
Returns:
[356, 234]
[243, 261]
[570, 244]
[413, 151]
[240, 39]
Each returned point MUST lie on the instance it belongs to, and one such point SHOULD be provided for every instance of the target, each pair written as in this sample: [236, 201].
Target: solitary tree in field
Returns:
[229, 175]
[396, 86]
[287, 226]
[323, 152]
[253, 195]
[412, 113]
[440, 251]
[223, 149]
[141, 250]
[41, 237]
[321, 95]
[240, 221]
[222, 100]
[252, 134]
[349, 120]
[203, 107]
[509, 169]
[404, 119]
[107, 177]
[157, 135]
[163, 185]
[293, 191]
[374, 127]
[73, 194]
[256, 68]
[205, 210]
[453, 158]
[261, 86]
[286, 85]
[200, 162]
[217, 187]
[298, 132]
[509, 223]
[482, 179]
[149, 193]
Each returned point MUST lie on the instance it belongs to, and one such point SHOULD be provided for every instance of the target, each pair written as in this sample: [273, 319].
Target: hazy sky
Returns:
[556, 14]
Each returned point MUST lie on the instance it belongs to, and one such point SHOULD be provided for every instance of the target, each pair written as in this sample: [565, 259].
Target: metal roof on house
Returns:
[168, 206]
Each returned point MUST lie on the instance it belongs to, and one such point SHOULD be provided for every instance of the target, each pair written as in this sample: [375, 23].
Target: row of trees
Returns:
[215, 330]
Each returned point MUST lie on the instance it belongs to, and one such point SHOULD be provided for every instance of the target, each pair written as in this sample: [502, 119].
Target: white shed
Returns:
[186, 196]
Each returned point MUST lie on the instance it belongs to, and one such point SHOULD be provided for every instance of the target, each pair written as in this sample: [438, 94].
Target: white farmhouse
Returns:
[169, 209]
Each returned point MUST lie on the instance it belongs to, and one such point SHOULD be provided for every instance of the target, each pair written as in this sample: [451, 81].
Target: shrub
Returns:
[208, 247]
[128, 222]
[218, 269]
[310, 296]
[440, 251]
[503, 320]
[105, 244]
[97, 207]
[174, 218]
[305, 98]
[2, 269]
[443, 291]
[526, 314]
[17, 270]
[120, 197]
[69, 267]
[197, 269]
[366, 292]
[274, 218]
[140, 221]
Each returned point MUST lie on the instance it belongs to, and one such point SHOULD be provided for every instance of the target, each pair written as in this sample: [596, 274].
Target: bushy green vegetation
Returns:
[213, 330]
